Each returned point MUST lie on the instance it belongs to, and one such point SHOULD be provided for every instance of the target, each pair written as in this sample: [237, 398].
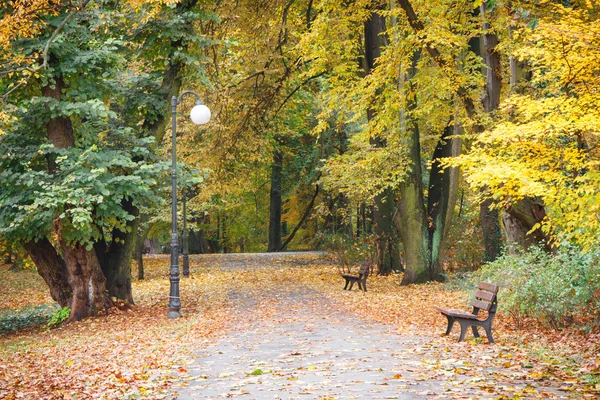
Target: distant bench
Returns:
[485, 299]
[360, 279]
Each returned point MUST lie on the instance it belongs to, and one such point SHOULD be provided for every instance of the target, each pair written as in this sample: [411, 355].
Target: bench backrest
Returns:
[363, 271]
[485, 296]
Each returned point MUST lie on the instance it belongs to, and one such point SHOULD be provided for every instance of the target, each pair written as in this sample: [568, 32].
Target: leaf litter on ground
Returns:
[139, 352]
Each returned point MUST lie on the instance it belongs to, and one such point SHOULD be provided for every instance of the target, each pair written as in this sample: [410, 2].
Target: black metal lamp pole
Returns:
[186, 258]
[200, 115]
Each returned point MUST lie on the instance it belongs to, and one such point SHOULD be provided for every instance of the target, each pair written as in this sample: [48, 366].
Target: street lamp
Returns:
[199, 115]
[186, 257]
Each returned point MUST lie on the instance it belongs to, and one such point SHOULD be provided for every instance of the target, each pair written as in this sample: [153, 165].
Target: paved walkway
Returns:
[306, 348]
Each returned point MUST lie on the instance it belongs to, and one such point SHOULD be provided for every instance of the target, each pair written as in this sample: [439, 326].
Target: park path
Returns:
[293, 343]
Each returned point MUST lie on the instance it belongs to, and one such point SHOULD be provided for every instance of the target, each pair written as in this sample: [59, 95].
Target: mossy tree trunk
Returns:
[386, 238]
[422, 220]
[489, 217]
[275, 203]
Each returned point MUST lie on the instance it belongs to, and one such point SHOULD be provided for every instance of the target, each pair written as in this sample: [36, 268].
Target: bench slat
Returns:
[483, 305]
[456, 313]
[487, 296]
[490, 287]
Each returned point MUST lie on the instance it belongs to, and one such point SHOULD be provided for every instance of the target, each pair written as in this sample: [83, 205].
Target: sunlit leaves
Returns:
[544, 141]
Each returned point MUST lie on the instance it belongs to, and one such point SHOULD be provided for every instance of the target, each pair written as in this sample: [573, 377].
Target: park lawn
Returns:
[138, 352]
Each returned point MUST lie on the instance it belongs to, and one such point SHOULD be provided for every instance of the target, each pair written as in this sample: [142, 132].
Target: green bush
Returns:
[59, 317]
[13, 320]
[347, 252]
[552, 288]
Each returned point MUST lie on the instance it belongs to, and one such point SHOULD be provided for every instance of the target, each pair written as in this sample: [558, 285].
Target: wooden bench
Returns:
[485, 299]
[361, 278]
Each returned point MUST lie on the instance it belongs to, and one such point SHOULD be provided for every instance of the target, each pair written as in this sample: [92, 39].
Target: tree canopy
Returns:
[329, 118]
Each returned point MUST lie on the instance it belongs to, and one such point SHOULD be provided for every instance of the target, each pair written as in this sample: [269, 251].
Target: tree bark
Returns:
[140, 240]
[275, 203]
[411, 216]
[442, 185]
[52, 269]
[87, 281]
[490, 218]
[83, 273]
[520, 218]
[115, 258]
[522, 215]
[422, 225]
[386, 240]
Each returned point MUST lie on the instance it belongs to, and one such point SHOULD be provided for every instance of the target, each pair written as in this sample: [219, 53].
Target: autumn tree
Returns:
[411, 94]
[260, 133]
[75, 155]
[542, 151]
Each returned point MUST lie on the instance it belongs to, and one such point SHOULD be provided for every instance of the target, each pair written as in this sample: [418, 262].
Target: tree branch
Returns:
[44, 65]
[304, 217]
[58, 29]
[418, 27]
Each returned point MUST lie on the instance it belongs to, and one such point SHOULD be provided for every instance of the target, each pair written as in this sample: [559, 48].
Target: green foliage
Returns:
[347, 252]
[554, 288]
[464, 248]
[59, 317]
[14, 320]
[85, 193]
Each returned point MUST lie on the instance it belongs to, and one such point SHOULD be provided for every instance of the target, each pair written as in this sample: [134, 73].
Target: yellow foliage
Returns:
[545, 141]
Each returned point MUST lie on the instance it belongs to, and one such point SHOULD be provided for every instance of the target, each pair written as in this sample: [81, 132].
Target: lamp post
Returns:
[199, 115]
[186, 258]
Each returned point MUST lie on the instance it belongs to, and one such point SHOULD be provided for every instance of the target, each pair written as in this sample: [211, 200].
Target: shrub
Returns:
[553, 288]
[348, 252]
[13, 320]
[59, 317]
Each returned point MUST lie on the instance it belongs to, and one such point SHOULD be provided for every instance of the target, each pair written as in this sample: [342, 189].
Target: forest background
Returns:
[427, 137]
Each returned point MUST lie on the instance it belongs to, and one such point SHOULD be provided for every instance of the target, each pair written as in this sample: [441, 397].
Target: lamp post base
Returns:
[173, 314]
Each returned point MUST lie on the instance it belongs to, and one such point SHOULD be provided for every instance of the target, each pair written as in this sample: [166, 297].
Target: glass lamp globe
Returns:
[200, 114]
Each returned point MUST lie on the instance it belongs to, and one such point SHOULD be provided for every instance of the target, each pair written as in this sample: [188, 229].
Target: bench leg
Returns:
[463, 330]
[488, 333]
[450, 324]
[365, 286]
[475, 332]
[347, 282]
[351, 284]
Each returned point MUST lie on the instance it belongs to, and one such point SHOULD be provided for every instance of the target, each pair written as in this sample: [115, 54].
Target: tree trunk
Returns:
[115, 258]
[87, 281]
[523, 214]
[520, 218]
[140, 244]
[275, 203]
[52, 269]
[79, 266]
[440, 199]
[423, 227]
[8, 259]
[411, 217]
[139, 256]
[386, 241]
[302, 220]
[490, 218]
[343, 222]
